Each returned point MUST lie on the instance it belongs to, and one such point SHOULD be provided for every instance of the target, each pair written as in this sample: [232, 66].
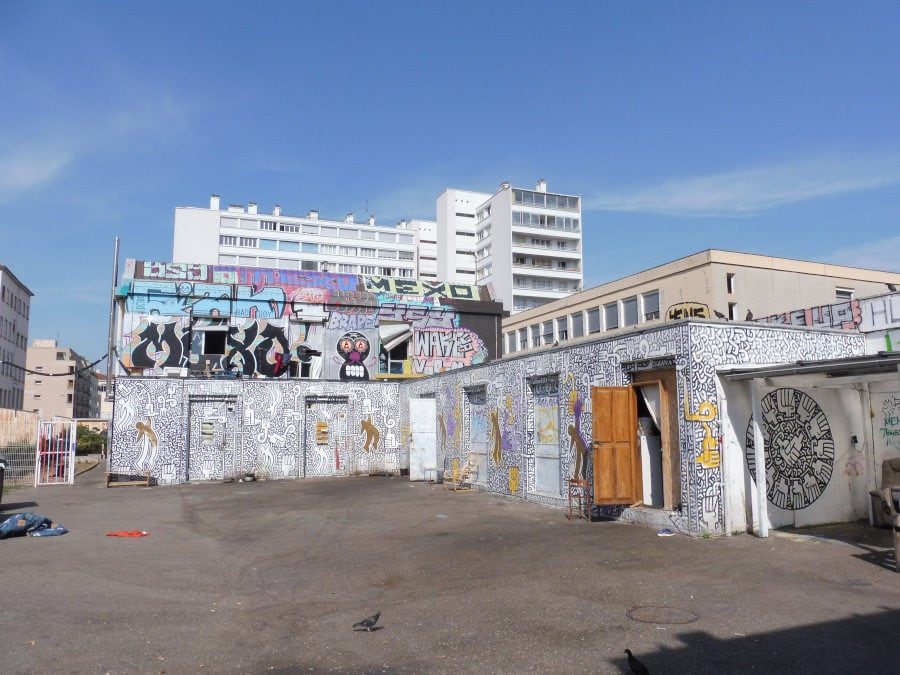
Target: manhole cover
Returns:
[661, 614]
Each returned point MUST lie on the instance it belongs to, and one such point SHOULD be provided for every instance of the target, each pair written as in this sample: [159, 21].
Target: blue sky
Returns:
[765, 127]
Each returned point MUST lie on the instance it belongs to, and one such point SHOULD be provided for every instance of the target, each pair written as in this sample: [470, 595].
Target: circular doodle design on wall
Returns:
[799, 448]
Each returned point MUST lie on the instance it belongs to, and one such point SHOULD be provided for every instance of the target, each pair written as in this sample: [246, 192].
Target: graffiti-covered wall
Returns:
[538, 408]
[185, 429]
[268, 323]
[526, 422]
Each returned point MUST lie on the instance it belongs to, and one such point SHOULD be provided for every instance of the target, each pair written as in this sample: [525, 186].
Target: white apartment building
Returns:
[528, 245]
[243, 236]
[14, 313]
[455, 232]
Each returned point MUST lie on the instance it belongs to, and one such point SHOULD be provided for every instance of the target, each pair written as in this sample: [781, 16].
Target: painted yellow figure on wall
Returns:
[373, 436]
[513, 479]
[146, 437]
[496, 447]
[711, 457]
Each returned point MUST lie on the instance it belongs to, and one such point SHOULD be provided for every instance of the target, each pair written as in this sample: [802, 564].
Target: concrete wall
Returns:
[184, 429]
[524, 420]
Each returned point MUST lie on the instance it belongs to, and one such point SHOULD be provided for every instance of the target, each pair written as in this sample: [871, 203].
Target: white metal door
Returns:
[423, 441]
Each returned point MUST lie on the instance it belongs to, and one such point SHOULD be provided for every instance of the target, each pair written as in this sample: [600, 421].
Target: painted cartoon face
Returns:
[353, 347]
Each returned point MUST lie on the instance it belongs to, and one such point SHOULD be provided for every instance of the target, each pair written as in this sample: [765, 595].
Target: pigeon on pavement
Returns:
[369, 623]
[636, 666]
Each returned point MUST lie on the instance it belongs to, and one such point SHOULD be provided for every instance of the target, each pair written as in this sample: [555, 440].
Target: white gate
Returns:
[54, 461]
[423, 441]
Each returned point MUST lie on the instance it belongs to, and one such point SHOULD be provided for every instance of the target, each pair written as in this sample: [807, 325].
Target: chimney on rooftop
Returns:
[349, 218]
[214, 202]
[277, 210]
[541, 186]
[252, 208]
[371, 220]
[313, 214]
[504, 185]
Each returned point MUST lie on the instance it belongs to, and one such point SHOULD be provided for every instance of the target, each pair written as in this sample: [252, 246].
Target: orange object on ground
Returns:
[128, 533]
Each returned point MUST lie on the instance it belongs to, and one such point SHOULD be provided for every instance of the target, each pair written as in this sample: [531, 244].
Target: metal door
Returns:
[212, 449]
[423, 441]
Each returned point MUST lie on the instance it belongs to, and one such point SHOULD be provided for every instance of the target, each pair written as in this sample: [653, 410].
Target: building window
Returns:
[611, 315]
[630, 311]
[548, 332]
[60, 356]
[367, 269]
[730, 281]
[511, 342]
[349, 250]
[536, 335]
[289, 246]
[268, 244]
[227, 240]
[289, 228]
[650, 302]
[562, 328]
[577, 324]
[844, 293]
[732, 311]
[593, 317]
[248, 242]
[308, 265]
[267, 225]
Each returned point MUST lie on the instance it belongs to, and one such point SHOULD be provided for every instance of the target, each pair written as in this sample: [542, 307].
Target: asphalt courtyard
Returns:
[269, 577]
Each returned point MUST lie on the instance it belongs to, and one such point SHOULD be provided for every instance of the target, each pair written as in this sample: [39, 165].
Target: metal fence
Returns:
[18, 444]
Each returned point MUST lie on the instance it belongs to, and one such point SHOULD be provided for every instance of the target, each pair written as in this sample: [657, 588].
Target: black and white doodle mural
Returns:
[292, 428]
[798, 448]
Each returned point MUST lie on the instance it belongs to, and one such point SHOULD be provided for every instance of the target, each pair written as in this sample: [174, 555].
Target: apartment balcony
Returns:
[546, 271]
[547, 230]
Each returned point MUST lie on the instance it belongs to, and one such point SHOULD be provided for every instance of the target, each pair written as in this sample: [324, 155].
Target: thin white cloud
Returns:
[751, 190]
[881, 254]
[26, 167]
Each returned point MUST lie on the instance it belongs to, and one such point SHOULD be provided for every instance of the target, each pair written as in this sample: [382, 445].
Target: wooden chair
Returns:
[579, 494]
[459, 477]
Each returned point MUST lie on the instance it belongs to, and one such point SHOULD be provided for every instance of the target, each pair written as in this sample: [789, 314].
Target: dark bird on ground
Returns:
[369, 623]
[892, 288]
[718, 314]
[636, 666]
[749, 316]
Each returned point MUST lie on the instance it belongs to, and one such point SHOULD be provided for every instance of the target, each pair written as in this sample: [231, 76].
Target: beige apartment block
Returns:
[59, 382]
[711, 284]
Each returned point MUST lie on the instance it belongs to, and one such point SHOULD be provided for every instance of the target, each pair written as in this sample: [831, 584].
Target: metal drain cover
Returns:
[661, 614]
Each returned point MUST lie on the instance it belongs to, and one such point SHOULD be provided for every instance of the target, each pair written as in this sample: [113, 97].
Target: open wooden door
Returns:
[617, 461]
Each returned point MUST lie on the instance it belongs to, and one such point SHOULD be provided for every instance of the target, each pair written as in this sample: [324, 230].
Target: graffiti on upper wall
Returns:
[889, 431]
[439, 350]
[798, 448]
[305, 302]
[844, 315]
[418, 287]
[352, 351]
[687, 310]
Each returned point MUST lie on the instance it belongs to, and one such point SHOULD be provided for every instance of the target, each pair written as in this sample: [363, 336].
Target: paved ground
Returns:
[268, 577]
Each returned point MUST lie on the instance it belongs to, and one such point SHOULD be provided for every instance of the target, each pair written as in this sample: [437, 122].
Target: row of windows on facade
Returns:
[17, 304]
[618, 314]
[345, 233]
[9, 331]
[11, 398]
[540, 200]
[7, 369]
[317, 266]
[312, 247]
